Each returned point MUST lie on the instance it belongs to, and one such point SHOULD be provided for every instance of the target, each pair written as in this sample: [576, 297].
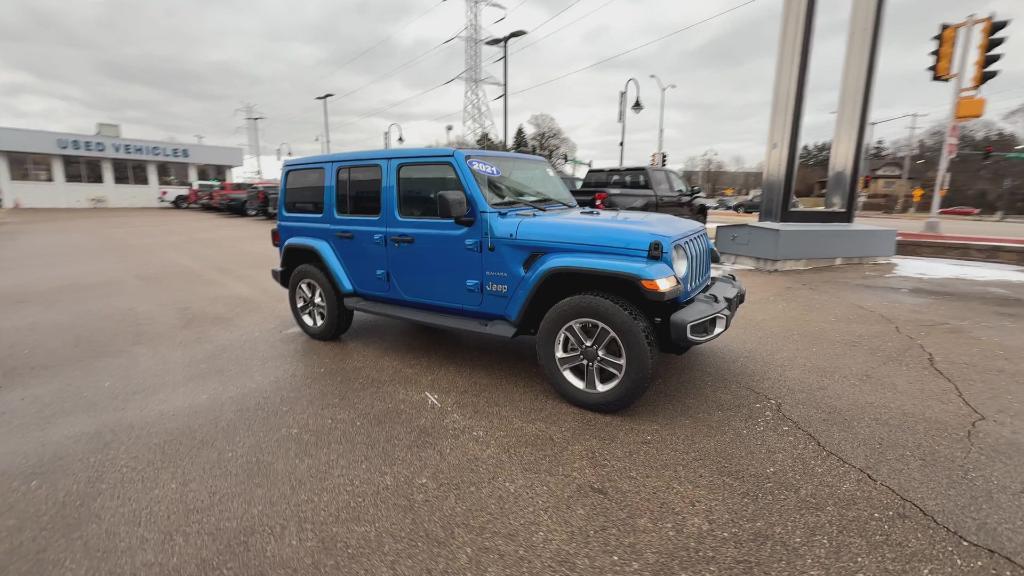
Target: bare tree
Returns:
[547, 139]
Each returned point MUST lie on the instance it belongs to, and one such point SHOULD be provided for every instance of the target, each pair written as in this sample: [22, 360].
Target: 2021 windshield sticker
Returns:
[485, 168]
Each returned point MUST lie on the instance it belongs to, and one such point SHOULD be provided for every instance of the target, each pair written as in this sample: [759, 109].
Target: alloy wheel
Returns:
[590, 355]
[311, 304]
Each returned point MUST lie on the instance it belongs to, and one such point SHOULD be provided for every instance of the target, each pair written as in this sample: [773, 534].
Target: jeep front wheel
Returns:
[315, 304]
[597, 350]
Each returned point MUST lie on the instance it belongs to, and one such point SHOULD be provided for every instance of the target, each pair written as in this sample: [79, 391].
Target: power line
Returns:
[401, 66]
[570, 23]
[555, 15]
[390, 36]
[403, 101]
[635, 48]
[592, 65]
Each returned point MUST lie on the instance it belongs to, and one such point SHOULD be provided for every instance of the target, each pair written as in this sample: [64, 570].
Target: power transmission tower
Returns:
[476, 110]
[252, 118]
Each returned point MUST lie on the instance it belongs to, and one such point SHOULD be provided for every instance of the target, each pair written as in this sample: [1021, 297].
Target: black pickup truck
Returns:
[644, 188]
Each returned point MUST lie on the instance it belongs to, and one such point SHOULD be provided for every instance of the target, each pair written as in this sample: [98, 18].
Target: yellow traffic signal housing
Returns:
[942, 69]
[969, 108]
[989, 28]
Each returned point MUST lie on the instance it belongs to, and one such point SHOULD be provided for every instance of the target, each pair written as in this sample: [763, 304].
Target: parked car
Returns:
[752, 203]
[961, 211]
[726, 202]
[261, 199]
[236, 200]
[198, 191]
[644, 188]
[492, 243]
[229, 192]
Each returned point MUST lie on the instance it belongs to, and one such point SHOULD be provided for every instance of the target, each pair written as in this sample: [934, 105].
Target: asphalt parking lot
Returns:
[160, 413]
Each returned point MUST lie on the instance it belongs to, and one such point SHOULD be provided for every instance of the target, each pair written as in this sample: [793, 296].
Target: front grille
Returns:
[698, 252]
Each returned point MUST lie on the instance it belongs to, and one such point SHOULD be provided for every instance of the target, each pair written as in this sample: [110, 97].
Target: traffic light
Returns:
[664, 159]
[867, 182]
[654, 159]
[989, 28]
[942, 69]
[987, 154]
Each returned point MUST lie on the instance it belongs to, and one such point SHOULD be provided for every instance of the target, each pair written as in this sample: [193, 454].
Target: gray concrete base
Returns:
[788, 246]
[782, 265]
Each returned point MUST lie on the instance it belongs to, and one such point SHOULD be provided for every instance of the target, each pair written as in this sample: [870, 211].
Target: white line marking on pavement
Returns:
[433, 399]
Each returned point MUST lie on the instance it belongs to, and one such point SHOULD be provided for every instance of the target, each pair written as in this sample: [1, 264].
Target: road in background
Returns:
[160, 413]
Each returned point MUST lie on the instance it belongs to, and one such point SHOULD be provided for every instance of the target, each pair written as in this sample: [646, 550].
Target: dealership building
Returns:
[41, 169]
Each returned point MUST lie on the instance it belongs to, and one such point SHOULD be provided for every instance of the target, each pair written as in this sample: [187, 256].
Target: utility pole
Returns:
[504, 81]
[908, 156]
[948, 147]
[252, 118]
[327, 129]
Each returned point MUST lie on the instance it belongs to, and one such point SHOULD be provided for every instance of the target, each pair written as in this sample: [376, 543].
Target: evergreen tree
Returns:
[519, 141]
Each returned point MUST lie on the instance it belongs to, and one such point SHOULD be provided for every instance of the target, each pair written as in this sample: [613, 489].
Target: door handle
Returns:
[402, 239]
[345, 235]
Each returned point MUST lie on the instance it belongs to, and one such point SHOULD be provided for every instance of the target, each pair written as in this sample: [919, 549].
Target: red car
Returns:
[960, 211]
[217, 199]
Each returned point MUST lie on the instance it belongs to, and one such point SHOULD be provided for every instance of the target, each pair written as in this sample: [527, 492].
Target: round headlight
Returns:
[679, 260]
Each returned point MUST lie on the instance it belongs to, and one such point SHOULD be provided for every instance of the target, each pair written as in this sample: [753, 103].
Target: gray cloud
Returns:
[174, 69]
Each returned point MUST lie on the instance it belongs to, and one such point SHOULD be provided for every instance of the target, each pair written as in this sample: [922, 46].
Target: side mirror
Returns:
[694, 190]
[451, 205]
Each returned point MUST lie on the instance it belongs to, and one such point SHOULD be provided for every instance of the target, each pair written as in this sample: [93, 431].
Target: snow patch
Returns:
[911, 267]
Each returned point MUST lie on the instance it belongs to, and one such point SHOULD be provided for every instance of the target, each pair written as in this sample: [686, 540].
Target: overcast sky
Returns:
[169, 70]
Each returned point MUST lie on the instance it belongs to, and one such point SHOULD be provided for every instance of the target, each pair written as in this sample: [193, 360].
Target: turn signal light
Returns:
[661, 284]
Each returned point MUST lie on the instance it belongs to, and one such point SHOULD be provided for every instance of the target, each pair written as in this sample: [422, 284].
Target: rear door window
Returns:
[304, 191]
[357, 191]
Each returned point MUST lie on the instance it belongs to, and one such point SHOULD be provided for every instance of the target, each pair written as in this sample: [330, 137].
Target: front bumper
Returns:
[710, 313]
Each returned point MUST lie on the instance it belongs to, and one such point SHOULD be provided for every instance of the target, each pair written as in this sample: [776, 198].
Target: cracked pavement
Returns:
[160, 414]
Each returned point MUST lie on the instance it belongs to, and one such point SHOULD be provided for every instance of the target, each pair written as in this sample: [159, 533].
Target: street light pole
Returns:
[387, 135]
[637, 107]
[661, 113]
[504, 82]
[327, 130]
[448, 134]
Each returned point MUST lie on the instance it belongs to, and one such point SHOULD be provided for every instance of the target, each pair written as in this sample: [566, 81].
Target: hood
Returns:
[611, 228]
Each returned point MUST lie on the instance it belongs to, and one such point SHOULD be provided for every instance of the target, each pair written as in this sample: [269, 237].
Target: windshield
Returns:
[507, 181]
[677, 183]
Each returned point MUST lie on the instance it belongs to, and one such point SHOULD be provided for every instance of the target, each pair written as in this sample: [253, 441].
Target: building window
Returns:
[357, 191]
[127, 172]
[304, 191]
[30, 167]
[210, 172]
[172, 174]
[84, 170]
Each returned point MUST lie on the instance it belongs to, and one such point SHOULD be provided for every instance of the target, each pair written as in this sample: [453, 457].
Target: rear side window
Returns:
[418, 185]
[595, 180]
[357, 191]
[304, 191]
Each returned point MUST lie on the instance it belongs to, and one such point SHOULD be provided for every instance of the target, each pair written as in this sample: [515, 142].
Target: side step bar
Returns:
[430, 318]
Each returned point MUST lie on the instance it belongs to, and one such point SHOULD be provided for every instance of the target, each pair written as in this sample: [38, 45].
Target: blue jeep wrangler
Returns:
[494, 243]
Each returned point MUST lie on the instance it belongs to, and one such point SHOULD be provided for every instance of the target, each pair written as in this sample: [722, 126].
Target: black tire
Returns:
[740, 210]
[336, 319]
[634, 334]
[250, 210]
[702, 216]
[180, 202]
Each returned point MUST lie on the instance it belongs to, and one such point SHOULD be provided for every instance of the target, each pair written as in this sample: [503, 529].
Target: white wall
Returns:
[61, 194]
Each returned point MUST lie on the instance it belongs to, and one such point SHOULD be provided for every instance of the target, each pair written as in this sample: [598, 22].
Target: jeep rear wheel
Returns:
[597, 350]
[315, 304]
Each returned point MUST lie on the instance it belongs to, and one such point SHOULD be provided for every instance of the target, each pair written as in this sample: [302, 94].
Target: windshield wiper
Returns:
[511, 201]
